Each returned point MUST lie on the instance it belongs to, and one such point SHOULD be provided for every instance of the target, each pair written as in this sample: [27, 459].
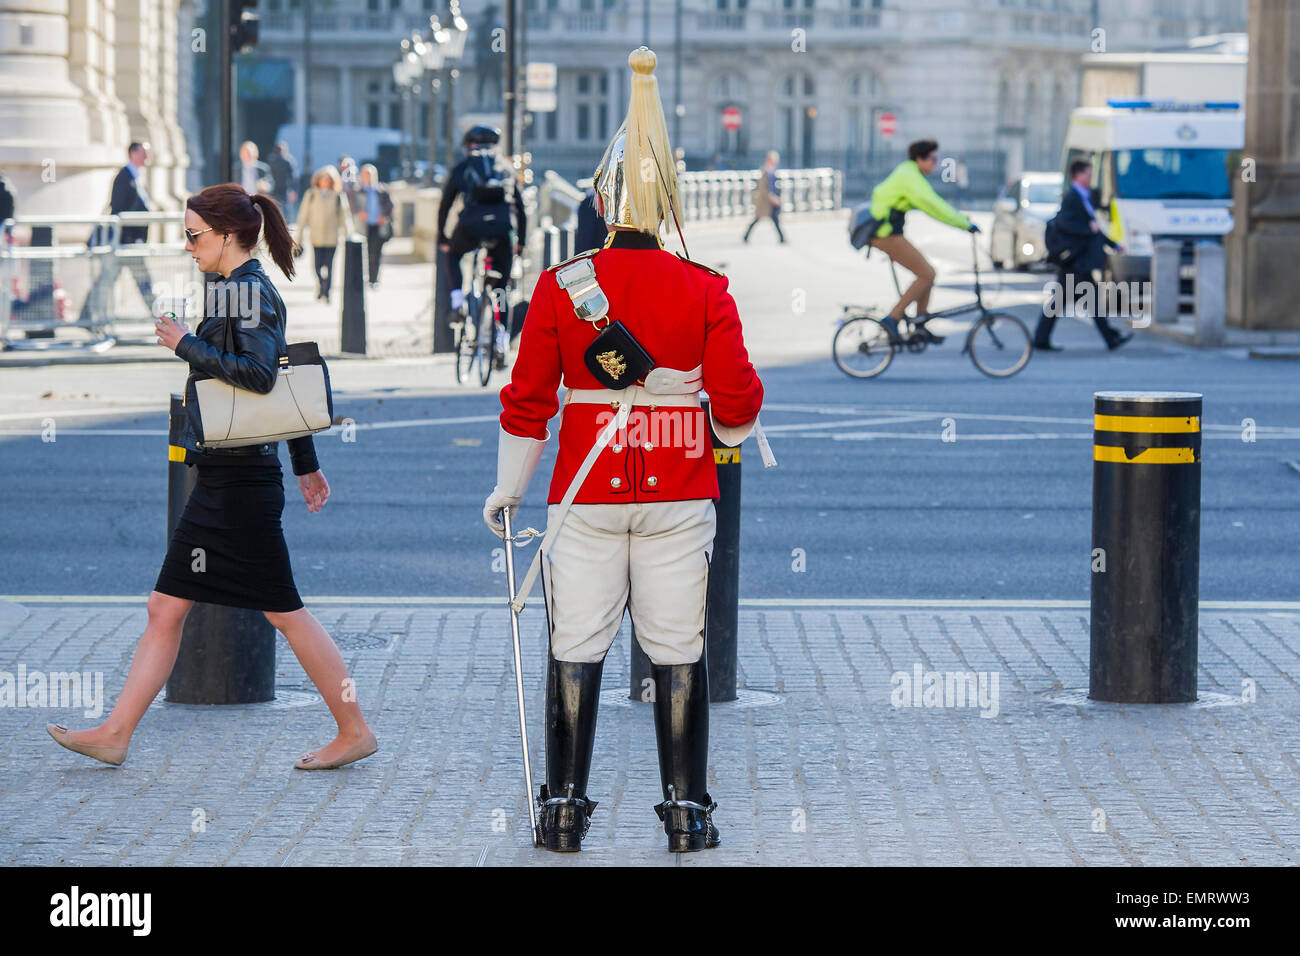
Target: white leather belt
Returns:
[614, 398]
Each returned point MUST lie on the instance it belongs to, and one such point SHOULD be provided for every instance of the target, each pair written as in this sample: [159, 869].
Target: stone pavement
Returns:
[815, 765]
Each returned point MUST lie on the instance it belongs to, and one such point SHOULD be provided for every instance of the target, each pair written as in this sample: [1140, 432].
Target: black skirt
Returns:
[228, 547]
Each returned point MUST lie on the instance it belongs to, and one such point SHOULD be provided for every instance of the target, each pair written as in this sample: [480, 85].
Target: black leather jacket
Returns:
[249, 300]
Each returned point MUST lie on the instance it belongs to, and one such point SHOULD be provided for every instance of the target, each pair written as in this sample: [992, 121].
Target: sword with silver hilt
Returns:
[519, 676]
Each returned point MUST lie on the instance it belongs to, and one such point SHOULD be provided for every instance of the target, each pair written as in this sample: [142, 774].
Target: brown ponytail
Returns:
[275, 232]
[231, 211]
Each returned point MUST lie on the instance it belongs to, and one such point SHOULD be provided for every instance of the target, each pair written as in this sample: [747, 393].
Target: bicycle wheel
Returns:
[999, 345]
[486, 340]
[466, 346]
[862, 348]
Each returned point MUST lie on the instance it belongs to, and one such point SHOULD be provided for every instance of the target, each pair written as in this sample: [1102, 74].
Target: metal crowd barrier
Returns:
[729, 194]
[74, 274]
[705, 194]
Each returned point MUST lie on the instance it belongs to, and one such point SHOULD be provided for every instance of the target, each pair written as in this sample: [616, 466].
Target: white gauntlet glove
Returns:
[517, 459]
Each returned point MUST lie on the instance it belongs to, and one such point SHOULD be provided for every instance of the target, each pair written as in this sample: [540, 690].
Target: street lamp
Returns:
[453, 35]
[406, 75]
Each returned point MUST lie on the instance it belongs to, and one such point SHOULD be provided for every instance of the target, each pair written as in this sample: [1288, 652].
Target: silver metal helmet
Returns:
[611, 183]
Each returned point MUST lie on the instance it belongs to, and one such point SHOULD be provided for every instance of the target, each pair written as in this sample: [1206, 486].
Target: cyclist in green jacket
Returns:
[903, 189]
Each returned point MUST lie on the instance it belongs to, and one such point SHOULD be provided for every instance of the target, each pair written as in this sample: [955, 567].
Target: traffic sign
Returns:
[731, 118]
[887, 123]
[539, 85]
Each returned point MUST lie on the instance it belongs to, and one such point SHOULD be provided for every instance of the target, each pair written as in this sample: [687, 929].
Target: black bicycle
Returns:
[999, 344]
[481, 336]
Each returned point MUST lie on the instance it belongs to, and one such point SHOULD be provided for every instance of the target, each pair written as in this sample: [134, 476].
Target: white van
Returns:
[1159, 170]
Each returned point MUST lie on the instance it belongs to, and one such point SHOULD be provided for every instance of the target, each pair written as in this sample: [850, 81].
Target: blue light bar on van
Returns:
[1170, 105]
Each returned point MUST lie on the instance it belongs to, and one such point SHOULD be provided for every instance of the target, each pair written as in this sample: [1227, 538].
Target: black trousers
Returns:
[324, 260]
[374, 250]
[498, 247]
[1067, 279]
[776, 221]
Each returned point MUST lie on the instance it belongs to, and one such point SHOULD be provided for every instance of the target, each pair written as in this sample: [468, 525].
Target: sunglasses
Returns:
[193, 237]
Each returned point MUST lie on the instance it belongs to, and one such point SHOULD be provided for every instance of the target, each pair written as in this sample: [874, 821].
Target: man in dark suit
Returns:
[1077, 223]
[129, 195]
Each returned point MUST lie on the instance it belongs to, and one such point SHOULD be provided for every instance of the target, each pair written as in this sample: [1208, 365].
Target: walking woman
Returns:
[373, 206]
[325, 217]
[767, 197]
[233, 514]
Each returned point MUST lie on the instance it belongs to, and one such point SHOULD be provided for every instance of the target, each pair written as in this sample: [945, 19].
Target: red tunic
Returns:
[683, 315]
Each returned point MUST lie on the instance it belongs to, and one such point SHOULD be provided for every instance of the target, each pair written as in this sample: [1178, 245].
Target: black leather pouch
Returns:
[616, 359]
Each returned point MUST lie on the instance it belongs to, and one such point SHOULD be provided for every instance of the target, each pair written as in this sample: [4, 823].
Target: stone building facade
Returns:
[79, 81]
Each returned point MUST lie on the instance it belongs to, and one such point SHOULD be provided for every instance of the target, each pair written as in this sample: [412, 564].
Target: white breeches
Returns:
[651, 558]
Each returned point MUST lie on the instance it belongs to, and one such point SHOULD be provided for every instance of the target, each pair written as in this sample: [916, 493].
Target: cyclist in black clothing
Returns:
[490, 190]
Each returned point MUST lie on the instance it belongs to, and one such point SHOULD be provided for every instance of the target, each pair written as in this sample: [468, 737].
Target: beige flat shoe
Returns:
[109, 755]
[309, 761]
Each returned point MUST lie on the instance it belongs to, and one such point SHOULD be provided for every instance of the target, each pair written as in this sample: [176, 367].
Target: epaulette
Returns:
[581, 255]
[699, 265]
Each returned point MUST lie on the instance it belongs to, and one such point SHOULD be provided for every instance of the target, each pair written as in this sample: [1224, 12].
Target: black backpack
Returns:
[1059, 250]
[486, 214]
[483, 182]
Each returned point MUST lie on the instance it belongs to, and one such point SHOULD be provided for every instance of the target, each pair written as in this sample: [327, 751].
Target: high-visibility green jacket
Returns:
[906, 188]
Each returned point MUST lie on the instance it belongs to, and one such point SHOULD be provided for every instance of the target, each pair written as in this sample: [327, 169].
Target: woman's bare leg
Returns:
[155, 656]
[910, 258]
[320, 658]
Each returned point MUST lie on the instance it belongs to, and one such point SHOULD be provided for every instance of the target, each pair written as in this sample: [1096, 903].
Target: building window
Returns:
[590, 105]
[796, 116]
[726, 91]
[544, 127]
[382, 103]
[861, 96]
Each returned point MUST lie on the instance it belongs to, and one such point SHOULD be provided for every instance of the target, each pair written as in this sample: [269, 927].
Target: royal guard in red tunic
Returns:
[633, 332]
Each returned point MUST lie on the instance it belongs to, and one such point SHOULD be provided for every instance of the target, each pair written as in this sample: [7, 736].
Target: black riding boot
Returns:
[572, 695]
[682, 733]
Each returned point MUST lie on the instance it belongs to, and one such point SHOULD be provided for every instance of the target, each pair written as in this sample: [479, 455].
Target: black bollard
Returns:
[550, 247]
[352, 335]
[444, 337]
[227, 654]
[40, 280]
[1146, 531]
[722, 602]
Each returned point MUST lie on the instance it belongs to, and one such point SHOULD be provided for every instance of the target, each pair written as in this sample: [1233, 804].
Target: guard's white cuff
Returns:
[517, 459]
[731, 434]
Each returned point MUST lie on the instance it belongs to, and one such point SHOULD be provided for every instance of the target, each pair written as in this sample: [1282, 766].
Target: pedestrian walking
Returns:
[284, 176]
[348, 173]
[232, 518]
[373, 207]
[254, 175]
[6, 199]
[631, 517]
[591, 231]
[129, 194]
[1077, 246]
[767, 197]
[325, 219]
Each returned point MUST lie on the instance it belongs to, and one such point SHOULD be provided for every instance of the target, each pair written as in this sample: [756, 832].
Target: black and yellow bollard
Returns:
[227, 654]
[722, 603]
[1146, 535]
[352, 316]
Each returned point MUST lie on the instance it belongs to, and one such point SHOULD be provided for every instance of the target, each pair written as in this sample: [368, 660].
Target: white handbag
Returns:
[299, 404]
